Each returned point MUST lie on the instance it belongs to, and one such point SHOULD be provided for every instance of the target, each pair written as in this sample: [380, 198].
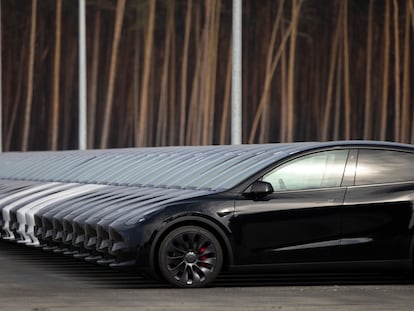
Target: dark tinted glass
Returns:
[384, 166]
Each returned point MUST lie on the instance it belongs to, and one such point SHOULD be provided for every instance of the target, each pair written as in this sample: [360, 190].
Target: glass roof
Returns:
[211, 168]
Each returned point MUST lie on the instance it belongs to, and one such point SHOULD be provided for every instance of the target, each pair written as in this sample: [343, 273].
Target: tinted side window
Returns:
[384, 166]
[319, 170]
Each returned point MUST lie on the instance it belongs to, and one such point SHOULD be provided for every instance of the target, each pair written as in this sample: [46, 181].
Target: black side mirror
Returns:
[259, 189]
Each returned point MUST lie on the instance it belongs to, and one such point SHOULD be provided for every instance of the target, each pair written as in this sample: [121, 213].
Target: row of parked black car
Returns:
[187, 213]
[105, 205]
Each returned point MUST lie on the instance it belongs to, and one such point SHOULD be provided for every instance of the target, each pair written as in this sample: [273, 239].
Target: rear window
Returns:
[384, 166]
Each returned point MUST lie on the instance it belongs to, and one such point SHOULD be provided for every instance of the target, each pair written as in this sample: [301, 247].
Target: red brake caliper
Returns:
[201, 251]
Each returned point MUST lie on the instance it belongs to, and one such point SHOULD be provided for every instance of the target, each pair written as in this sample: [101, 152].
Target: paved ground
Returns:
[37, 281]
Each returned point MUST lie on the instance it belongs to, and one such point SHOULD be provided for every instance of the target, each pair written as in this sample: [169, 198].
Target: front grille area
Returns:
[57, 230]
[78, 235]
[90, 237]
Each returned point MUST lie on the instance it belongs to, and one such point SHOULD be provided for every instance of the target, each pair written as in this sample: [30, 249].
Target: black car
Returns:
[187, 213]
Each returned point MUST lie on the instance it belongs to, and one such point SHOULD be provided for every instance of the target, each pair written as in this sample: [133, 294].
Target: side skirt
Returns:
[345, 266]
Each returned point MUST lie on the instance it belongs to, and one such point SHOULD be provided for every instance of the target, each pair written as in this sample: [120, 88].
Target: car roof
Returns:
[212, 168]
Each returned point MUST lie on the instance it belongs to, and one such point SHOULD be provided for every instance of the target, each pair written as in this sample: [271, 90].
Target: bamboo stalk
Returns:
[120, 10]
[30, 82]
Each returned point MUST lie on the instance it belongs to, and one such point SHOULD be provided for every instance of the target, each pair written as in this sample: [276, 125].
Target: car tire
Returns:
[190, 257]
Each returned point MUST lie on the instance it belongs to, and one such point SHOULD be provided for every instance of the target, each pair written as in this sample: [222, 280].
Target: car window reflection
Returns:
[319, 170]
[384, 166]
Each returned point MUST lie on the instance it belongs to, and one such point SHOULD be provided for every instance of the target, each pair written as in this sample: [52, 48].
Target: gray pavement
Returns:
[37, 281]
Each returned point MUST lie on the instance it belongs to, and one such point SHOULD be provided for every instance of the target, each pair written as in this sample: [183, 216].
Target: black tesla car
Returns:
[187, 213]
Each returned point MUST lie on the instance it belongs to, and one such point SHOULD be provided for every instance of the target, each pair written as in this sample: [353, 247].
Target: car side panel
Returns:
[377, 222]
[294, 226]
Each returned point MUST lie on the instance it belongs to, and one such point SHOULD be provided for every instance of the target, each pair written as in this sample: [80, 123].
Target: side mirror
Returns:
[259, 189]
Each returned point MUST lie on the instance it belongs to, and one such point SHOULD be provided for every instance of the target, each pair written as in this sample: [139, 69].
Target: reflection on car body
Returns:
[187, 213]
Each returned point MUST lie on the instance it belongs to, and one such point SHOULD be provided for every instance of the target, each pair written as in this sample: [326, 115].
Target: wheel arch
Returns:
[191, 220]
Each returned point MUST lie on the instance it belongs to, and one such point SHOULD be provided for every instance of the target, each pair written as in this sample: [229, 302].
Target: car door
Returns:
[377, 219]
[300, 220]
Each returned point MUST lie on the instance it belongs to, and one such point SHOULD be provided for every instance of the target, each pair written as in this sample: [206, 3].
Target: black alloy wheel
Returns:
[190, 257]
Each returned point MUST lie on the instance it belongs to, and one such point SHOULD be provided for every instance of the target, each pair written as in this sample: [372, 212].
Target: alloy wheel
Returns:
[190, 257]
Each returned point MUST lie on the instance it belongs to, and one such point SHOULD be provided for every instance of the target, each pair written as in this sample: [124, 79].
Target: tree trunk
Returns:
[183, 93]
[30, 82]
[368, 74]
[347, 84]
[54, 128]
[296, 4]
[215, 28]
[283, 90]
[397, 108]
[193, 120]
[120, 9]
[337, 116]
[136, 84]
[149, 37]
[385, 77]
[327, 118]
[271, 65]
[93, 84]
[162, 123]
[19, 87]
[207, 70]
[224, 127]
[405, 103]
[171, 140]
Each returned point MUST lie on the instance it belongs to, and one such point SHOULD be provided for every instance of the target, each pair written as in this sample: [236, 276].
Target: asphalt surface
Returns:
[31, 279]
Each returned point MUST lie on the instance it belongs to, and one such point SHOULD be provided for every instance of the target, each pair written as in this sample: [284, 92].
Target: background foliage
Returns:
[159, 71]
